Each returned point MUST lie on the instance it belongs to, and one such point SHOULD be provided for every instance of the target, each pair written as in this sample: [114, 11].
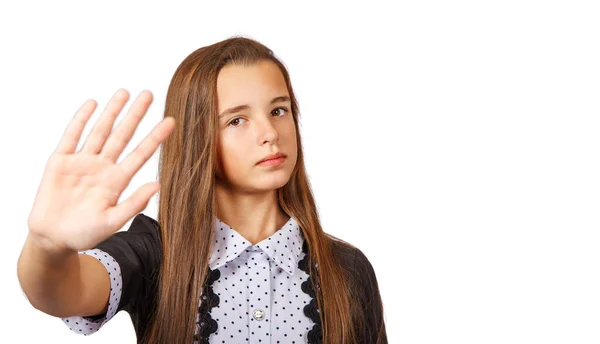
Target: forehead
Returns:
[239, 84]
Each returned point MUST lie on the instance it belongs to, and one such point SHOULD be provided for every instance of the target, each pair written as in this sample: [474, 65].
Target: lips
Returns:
[272, 156]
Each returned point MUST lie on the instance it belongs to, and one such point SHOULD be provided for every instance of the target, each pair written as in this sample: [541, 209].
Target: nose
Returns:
[267, 132]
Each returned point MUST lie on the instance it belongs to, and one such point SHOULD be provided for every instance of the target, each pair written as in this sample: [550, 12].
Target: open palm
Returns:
[75, 207]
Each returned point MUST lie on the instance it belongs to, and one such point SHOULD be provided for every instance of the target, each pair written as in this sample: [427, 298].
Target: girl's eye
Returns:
[233, 120]
[282, 108]
[239, 118]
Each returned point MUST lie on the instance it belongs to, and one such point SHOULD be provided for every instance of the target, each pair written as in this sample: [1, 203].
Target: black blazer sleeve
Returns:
[371, 305]
[138, 251]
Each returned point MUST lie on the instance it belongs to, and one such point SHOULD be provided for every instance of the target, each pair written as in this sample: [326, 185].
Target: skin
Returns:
[246, 193]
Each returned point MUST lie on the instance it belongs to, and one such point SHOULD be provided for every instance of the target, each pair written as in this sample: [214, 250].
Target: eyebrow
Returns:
[246, 106]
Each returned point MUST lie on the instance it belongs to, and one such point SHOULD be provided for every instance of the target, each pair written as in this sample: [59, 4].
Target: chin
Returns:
[273, 181]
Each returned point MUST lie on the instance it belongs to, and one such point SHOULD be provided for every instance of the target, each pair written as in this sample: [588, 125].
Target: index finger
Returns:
[72, 134]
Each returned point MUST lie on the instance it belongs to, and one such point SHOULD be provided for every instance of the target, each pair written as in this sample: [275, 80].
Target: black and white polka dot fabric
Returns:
[88, 325]
[259, 288]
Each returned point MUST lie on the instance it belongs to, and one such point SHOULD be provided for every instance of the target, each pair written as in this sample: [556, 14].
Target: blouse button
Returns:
[258, 314]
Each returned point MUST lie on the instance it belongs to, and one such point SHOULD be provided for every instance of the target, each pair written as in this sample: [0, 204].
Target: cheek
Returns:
[290, 138]
[234, 157]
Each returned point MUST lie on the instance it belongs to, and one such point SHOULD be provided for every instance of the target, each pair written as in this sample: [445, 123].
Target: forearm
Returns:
[51, 280]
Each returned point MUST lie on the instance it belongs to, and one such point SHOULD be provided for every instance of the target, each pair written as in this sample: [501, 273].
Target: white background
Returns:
[455, 143]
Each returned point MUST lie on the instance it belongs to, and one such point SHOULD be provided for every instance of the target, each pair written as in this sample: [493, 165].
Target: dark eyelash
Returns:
[281, 107]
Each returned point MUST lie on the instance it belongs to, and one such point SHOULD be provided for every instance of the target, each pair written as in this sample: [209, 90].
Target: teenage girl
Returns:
[237, 253]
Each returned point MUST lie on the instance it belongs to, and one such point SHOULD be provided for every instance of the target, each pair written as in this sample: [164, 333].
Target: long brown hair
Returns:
[187, 204]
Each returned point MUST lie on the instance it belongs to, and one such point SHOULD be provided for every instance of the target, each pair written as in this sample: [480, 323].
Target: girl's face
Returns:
[259, 125]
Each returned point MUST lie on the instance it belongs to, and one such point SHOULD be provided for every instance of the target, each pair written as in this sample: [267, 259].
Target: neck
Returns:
[255, 216]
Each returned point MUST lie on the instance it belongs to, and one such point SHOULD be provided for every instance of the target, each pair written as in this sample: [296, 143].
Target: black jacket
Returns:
[139, 253]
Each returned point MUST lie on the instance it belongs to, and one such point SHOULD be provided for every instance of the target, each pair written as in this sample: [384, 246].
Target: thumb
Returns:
[121, 213]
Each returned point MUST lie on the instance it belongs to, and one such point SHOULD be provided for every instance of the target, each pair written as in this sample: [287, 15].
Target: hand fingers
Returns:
[72, 133]
[121, 213]
[94, 142]
[146, 148]
[120, 137]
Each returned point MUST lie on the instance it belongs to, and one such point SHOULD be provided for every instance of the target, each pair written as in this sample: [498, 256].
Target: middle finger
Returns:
[119, 139]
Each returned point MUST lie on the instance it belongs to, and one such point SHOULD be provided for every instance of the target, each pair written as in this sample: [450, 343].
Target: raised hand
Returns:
[75, 207]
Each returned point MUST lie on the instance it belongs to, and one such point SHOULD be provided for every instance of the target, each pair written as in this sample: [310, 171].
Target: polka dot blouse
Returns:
[259, 288]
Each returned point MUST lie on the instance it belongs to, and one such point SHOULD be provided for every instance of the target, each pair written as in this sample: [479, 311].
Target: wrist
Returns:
[46, 249]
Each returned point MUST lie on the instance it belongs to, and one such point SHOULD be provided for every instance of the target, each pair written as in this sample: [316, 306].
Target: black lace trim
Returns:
[209, 326]
[311, 310]
[209, 300]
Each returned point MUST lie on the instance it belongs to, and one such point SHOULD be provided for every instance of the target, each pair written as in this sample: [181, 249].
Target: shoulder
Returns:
[347, 252]
[364, 290]
[352, 259]
[358, 270]
[144, 223]
[137, 249]
[343, 250]
[150, 237]
[143, 229]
